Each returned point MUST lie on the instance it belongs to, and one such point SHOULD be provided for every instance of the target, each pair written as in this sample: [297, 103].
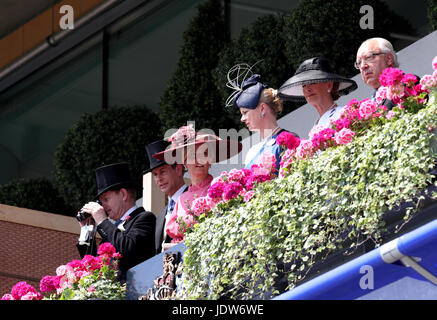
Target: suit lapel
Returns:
[160, 227]
[132, 216]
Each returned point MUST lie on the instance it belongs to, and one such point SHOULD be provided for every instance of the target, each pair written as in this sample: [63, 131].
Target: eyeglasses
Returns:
[367, 58]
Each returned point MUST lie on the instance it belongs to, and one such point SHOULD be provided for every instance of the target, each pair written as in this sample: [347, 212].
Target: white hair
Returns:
[386, 47]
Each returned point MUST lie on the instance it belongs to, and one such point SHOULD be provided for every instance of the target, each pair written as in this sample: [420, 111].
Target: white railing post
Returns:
[153, 198]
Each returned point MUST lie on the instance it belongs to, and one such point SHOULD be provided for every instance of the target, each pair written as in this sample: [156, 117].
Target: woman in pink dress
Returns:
[196, 151]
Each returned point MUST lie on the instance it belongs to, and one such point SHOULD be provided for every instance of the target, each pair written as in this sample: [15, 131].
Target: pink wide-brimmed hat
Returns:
[185, 140]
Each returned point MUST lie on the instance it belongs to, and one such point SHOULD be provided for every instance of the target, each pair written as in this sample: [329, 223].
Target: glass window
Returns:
[36, 113]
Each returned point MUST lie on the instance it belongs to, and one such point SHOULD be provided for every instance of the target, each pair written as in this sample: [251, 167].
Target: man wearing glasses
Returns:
[373, 56]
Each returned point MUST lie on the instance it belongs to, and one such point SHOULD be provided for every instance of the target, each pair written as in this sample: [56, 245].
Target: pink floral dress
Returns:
[181, 209]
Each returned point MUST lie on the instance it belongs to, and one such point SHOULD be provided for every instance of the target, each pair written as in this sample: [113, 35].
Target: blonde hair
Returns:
[270, 97]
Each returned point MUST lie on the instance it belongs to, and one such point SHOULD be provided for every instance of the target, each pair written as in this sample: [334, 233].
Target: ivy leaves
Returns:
[326, 205]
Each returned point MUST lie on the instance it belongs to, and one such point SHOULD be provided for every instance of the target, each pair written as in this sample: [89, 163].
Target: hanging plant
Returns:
[329, 198]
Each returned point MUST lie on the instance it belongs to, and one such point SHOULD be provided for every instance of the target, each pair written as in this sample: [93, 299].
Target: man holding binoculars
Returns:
[132, 234]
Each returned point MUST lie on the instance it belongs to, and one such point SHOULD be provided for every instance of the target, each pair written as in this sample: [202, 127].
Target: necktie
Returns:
[170, 207]
[117, 223]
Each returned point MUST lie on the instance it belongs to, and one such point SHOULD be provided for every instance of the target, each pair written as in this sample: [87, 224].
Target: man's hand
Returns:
[96, 211]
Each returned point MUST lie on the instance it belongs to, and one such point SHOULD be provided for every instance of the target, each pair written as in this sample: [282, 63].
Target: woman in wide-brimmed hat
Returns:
[196, 151]
[315, 83]
[259, 106]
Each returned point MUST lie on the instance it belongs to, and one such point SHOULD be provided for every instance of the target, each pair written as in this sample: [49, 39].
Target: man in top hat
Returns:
[133, 233]
[170, 180]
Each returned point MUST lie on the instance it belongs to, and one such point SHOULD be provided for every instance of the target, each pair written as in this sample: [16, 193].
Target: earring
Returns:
[329, 90]
[262, 115]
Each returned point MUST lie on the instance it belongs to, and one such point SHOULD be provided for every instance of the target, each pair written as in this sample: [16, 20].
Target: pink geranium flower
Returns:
[434, 63]
[320, 136]
[305, 149]
[381, 94]
[268, 161]
[390, 77]
[344, 136]
[409, 79]
[288, 140]
[390, 114]
[232, 190]
[201, 205]
[235, 175]
[186, 218]
[24, 291]
[248, 195]
[49, 283]
[106, 249]
[216, 190]
[429, 81]
[367, 108]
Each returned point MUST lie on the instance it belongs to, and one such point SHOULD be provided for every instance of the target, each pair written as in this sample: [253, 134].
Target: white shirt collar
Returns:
[128, 212]
[177, 194]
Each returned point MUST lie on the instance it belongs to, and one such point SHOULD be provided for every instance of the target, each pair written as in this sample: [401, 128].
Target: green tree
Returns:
[432, 13]
[331, 29]
[191, 93]
[37, 194]
[261, 45]
[108, 136]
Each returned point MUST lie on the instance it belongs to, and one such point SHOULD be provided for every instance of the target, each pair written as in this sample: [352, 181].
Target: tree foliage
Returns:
[261, 45]
[108, 136]
[191, 93]
[37, 194]
[331, 29]
[432, 13]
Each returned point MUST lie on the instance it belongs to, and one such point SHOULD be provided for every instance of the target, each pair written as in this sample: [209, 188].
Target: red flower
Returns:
[106, 249]
[288, 139]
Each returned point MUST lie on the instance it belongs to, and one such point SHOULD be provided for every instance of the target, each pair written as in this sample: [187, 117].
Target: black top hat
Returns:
[113, 176]
[310, 71]
[152, 149]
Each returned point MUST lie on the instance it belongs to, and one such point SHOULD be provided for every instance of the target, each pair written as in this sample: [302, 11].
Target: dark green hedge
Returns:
[432, 14]
[191, 93]
[331, 29]
[279, 43]
[263, 44]
[108, 136]
[37, 194]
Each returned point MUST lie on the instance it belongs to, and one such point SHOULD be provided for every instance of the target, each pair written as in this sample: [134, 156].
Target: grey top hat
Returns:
[310, 71]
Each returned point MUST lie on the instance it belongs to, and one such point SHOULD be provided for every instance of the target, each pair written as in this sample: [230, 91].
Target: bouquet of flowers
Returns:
[404, 90]
[233, 186]
[89, 278]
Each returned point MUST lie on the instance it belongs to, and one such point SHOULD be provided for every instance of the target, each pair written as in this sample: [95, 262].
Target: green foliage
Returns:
[191, 94]
[37, 194]
[331, 29]
[261, 44]
[100, 285]
[432, 13]
[279, 43]
[325, 203]
[108, 136]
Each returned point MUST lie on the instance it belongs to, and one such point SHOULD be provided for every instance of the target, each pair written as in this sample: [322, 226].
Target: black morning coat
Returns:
[135, 244]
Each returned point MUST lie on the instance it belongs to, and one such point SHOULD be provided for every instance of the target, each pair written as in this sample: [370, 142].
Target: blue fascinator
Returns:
[246, 94]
